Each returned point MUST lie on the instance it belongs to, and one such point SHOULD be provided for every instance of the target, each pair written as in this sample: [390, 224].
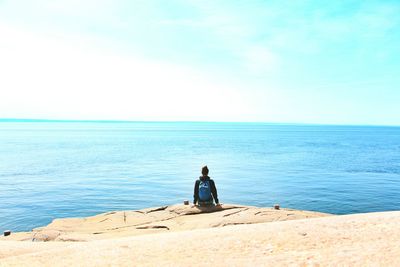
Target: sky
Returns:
[329, 62]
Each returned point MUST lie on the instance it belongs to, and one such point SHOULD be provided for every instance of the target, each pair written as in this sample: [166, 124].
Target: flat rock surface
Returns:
[156, 220]
[371, 239]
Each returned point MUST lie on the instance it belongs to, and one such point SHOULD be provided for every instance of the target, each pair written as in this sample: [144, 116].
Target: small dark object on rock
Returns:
[186, 202]
[277, 207]
[7, 233]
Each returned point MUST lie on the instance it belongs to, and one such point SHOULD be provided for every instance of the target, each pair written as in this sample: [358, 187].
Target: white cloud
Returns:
[75, 78]
[260, 60]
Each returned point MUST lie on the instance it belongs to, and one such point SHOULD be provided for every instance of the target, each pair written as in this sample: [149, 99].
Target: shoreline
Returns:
[171, 218]
[233, 235]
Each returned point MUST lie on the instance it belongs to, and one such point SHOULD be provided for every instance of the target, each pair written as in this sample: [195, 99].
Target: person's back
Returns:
[205, 191]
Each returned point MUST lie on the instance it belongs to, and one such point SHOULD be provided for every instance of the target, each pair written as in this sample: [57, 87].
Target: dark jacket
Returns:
[212, 187]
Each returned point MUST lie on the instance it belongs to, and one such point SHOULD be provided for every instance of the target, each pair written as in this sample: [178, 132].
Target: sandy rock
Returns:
[157, 220]
[45, 235]
[371, 239]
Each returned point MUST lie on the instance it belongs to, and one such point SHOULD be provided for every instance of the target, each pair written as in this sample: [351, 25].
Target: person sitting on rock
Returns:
[205, 192]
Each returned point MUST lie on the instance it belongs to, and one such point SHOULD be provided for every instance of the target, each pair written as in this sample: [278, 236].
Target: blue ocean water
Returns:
[51, 170]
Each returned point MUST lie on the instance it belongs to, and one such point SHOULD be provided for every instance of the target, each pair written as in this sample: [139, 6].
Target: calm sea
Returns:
[50, 170]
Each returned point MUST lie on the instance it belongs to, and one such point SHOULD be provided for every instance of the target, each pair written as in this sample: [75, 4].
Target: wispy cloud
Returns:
[73, 80]
[247, 59]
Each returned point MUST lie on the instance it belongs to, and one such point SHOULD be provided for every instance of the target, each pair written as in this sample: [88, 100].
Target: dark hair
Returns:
[204, 170]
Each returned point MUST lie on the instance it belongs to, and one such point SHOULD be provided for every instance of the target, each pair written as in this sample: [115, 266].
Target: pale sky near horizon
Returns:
[333, 62]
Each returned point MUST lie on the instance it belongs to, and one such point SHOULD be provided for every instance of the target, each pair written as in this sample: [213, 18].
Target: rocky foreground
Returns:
[156, 220]
[229, 236]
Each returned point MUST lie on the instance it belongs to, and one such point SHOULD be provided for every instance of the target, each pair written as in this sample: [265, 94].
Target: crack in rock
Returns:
[201, 210]
[235, 223]
[134, 225]
[153, 227]
[157, 209]
[236, 212]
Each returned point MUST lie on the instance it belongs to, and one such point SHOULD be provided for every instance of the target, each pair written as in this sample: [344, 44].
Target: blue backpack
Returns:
[204, 191]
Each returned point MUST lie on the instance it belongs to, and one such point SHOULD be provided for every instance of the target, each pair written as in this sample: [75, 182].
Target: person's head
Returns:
[204, 170]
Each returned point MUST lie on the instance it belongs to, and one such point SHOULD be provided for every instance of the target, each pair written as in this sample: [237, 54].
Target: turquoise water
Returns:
[66, 169]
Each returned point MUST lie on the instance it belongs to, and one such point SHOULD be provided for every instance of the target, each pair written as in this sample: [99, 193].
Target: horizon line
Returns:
[187, 121]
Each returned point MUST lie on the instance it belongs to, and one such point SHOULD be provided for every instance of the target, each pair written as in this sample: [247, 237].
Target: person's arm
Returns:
[196, 192]
[214, 191]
